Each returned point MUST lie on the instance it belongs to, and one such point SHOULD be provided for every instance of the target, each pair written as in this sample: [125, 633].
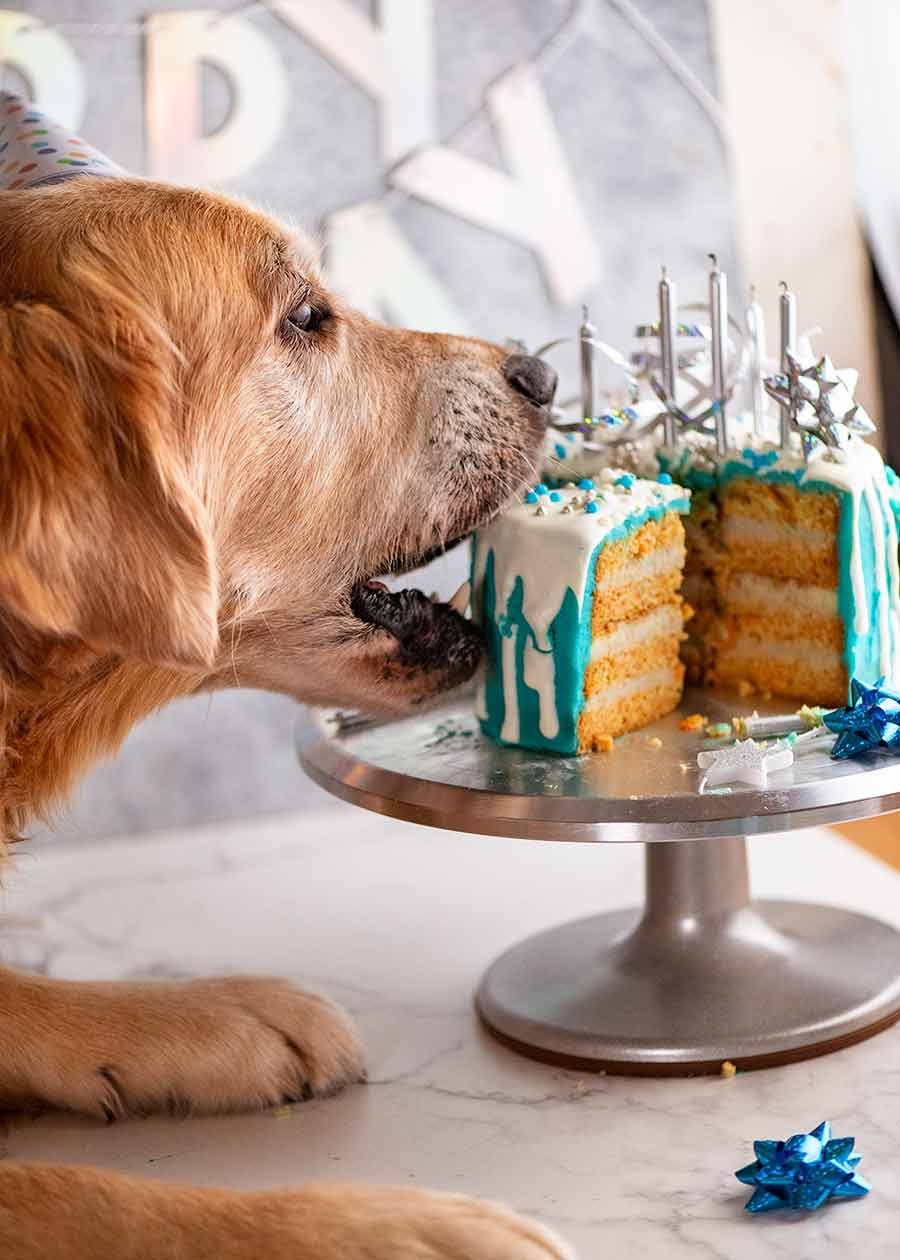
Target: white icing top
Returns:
[549, 544]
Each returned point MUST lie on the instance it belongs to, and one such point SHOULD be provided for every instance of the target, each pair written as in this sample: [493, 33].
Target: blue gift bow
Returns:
[872, 719]
[804, 1172]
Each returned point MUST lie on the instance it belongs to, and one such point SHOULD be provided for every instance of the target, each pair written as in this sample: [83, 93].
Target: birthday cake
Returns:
[578, 592]
[788, 551]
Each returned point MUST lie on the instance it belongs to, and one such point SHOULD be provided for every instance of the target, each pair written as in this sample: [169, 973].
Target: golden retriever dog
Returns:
[206, 460]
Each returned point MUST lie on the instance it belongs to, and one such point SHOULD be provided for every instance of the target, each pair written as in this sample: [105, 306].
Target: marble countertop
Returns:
[398, 922]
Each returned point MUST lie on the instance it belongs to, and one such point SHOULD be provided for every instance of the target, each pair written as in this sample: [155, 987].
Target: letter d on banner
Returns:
[176, 45]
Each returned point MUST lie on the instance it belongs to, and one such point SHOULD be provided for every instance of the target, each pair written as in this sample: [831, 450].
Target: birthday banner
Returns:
[470, 167]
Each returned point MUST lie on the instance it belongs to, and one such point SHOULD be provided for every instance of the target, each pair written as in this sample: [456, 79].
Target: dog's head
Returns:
[206, 457]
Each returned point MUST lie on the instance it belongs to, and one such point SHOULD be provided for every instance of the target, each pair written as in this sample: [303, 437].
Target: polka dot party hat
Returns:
[35, 151]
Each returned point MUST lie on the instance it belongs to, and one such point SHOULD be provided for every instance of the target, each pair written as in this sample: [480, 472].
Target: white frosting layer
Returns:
[813, 654]
[549, 544]
[650, 566]
[632, 687]
[665, 620]
[749, 592]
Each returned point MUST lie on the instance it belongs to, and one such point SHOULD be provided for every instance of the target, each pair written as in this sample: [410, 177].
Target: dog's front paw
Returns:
[230, 1044]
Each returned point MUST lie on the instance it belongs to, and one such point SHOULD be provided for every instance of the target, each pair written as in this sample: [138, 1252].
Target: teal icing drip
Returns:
[569, 635]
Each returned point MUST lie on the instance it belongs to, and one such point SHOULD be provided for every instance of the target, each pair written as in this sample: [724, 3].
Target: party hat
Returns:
[35, 151]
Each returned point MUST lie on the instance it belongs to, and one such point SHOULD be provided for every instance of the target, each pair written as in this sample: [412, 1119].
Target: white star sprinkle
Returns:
[744, 762]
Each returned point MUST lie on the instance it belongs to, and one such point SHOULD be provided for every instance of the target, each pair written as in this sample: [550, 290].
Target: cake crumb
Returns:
[604, 743]
[719, 730]
[653, 741]
[693, 722]
[745, 689]
[727, 1070]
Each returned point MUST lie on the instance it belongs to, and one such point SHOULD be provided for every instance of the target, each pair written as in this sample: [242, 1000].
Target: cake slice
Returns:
[578, 590]
[792, 566]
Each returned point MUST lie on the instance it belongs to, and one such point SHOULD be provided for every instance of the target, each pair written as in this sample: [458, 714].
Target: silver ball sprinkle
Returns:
[540, 510]
[567, 509]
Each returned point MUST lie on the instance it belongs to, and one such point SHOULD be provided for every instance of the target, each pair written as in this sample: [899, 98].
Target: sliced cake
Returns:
[579, 593]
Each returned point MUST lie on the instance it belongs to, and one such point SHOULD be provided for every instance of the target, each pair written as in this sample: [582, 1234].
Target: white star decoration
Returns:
[744, 762]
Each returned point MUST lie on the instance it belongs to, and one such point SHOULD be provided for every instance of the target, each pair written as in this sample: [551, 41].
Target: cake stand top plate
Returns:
[437, 769]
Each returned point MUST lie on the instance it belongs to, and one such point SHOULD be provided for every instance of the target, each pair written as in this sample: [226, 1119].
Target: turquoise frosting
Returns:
[569, 636]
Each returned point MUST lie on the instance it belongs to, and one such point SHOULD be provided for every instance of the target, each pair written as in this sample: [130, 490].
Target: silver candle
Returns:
[586, 333]
[756, 330]
[787, 314]
[718, 317]
[668, 306]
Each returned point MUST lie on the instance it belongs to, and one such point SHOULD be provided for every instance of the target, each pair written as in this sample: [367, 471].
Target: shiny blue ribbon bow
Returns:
[872, 719]
[804, 1172]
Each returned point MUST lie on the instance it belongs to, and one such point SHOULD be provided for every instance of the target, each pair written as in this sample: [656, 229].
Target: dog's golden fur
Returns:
[193, 489]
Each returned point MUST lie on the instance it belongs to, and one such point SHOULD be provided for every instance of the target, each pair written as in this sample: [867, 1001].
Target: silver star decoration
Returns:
[744, 762]
[820, 402]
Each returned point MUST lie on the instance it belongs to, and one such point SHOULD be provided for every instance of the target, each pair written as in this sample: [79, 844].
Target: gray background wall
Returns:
[650, 176]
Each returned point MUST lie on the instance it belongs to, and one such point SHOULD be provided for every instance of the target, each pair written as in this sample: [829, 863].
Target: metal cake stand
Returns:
[702, 973]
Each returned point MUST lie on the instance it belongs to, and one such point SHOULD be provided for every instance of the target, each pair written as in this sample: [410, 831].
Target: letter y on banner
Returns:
[393, 61]
[536, 204]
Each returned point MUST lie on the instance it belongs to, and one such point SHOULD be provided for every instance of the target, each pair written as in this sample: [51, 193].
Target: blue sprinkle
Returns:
[626, 481]
[540, 488]
[630, 413]
[591, 507]
[585, 484]
[570, 437]
[555, 496]
[560, 450]
[664, 479]
[531, 497]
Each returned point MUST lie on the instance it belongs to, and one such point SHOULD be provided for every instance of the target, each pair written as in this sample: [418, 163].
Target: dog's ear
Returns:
[102, 537]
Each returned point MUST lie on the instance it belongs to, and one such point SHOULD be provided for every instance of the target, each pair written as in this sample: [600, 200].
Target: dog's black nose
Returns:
[530, 376]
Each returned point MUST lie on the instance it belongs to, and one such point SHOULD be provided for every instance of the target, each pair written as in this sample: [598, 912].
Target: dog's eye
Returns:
[303, 318]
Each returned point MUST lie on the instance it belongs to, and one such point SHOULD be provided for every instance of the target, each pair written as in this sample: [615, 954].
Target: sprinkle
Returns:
[591, 507]
[567, 509]
[719, 730]
[728, 1070]
[585, 484]
[559, 450]
[693, 722]
[664, 479]
[555, 496]
[570, 485]
[540, 488]
[626, 481]
[531, 497]
[653, 741]
[540, 510]
[604, 743]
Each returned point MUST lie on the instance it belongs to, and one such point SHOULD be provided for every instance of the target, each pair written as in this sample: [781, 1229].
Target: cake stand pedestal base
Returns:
[703, 975]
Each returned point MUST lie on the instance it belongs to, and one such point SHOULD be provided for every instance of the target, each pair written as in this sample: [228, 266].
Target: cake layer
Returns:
[755, 593]
[638, 573]
[622, 636]
[779, 552]
[660, 651]
[813, 674]
[629, 706]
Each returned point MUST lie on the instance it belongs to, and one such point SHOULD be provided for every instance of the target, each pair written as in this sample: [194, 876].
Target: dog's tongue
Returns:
[35, 151]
